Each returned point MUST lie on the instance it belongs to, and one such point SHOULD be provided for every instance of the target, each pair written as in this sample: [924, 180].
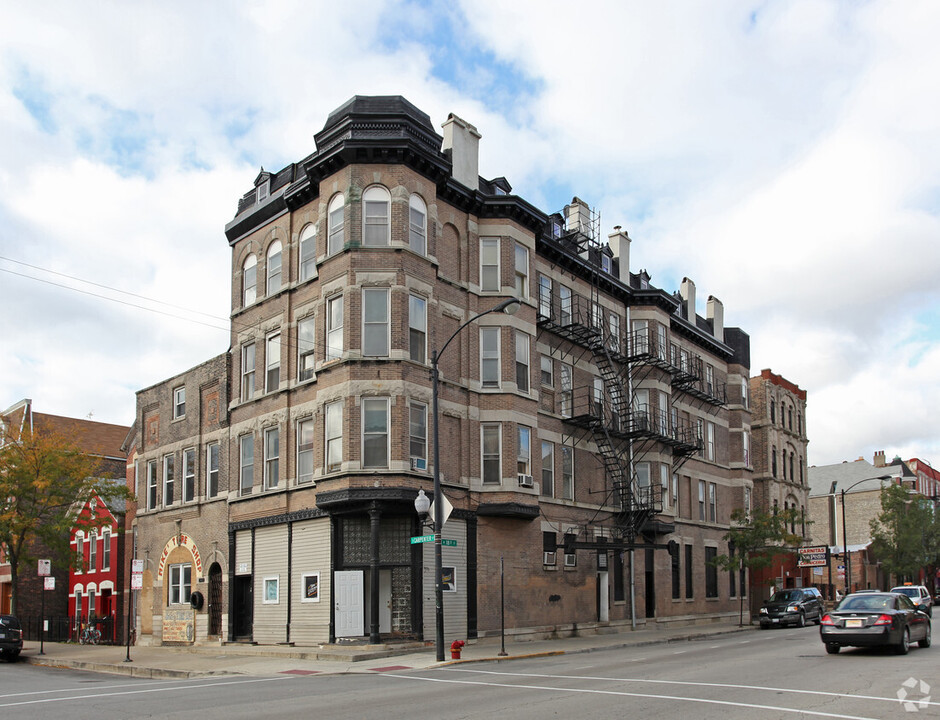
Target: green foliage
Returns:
[44, 481]
[906, 534]
[758, 536]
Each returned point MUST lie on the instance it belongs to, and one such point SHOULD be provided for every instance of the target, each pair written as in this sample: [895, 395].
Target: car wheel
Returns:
[925, 643]
[905, 644]
[818, 620]
[832, 648]
[801, 622]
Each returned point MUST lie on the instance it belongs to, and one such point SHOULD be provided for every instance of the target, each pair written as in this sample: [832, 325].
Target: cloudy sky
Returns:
[782, 154]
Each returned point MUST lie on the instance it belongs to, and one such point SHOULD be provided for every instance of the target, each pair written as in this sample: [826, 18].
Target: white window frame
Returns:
[547, 371]
[523, 450]
[269, 583]
[336, 223]
[664, 483]
[710, 441]
[335, 317]
[212, 469]
[491, 431]
[188, 493]
[613, 327]
[376, 217]
[712, 502]
[702, 506]
[418, 328]
[304, 581]
[169, 479]
[564, 296]
[521, 270]
[249, 280]
[567, 473]
[418, 432]
[246, 463]
[418, 225]
[179, 583]
[566, 388]
[272, 457]
[545, 296]
[490, 357]
[523, 368]
[548, 469]
[152, 484]
[273, 266]
[308, 252]
[489, 264]
[376, 405]
[376, 336]
[93, 551]
[106, 549]
[272, 362]
[306, 434]
[179, 402]
[333, 434]
[248, 372]
[306, 347]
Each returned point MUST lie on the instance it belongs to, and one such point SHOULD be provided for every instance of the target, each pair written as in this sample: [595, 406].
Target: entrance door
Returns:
[215, 599]
[243, 606]
[650, 585]
[603, 597]
[385, 601]
[349, 614]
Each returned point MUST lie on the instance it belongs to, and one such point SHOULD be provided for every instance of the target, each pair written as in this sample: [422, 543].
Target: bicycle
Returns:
[90, 635]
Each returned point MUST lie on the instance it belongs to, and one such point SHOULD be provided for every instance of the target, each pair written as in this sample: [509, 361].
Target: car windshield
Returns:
[866, 602]
[909, 591]
[786, 596]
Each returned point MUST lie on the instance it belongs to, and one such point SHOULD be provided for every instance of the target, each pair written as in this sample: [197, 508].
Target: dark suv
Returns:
[792, 607]
[11, 637]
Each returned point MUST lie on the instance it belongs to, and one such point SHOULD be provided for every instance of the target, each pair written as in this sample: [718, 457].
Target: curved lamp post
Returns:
[422, 504]
[845, 542]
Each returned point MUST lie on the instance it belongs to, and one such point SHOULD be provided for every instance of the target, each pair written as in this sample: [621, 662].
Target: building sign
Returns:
[178, 624]
[813, 556]
[181, 540]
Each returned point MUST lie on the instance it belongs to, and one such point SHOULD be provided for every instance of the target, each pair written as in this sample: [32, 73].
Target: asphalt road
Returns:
[783, 673]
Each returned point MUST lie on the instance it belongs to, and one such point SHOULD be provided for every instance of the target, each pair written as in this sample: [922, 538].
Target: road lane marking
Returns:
[732, 686]
[149, 683]
[141, 692]
[648, 696]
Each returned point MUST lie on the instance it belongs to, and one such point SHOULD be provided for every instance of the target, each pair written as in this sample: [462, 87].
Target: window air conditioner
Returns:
[571, 560]
[419, 463]
[525, 481]
[548, 558]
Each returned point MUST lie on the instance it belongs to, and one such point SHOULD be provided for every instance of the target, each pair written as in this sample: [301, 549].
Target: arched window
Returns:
[418, 225]
[308, 252]
[375, 220]
[249, 280]
[274, 268]
[336, 216]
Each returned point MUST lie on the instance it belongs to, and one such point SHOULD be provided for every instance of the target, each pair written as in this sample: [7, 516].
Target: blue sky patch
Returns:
[38, 101]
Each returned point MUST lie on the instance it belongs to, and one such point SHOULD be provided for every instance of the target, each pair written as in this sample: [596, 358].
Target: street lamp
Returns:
[845, 542]
[510, 307]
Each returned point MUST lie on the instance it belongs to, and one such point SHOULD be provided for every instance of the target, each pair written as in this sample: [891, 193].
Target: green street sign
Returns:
[449, 543]
[422, 539]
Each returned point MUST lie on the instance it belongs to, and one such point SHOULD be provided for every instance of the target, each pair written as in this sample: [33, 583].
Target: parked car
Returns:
[873, 619]
[11, 637]
[792, 607]
[918, 594]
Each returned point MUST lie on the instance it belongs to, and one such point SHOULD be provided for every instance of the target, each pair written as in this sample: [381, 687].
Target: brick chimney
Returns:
[687, 293]
[879, 459]
[619, 243]
[715, 311]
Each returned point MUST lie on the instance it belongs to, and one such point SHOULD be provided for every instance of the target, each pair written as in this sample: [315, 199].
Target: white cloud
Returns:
[783, 155]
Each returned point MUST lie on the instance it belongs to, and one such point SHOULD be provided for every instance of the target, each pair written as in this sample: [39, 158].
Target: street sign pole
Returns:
[45, 567]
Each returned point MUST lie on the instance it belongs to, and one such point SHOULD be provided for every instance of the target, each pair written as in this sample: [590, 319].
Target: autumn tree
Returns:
[905, 535]
[44, 481]
[757, 537]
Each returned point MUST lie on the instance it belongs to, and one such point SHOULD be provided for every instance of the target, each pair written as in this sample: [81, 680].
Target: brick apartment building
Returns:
[778, 448]
[593, 442]
[102, 441]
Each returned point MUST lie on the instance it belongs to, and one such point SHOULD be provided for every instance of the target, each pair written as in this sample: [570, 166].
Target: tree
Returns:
[756, 537]
[905, 534]
[44, 481]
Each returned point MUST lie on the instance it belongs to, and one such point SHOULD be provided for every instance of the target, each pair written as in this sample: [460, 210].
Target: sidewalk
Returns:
[213, 660]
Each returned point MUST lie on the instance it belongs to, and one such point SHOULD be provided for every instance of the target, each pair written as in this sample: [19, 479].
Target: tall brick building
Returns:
[594, 442]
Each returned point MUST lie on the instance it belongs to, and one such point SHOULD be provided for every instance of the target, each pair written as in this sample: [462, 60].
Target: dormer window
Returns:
[607, 264]
[262, 190]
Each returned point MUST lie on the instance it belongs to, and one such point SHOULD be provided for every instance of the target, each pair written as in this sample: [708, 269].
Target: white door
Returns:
[603, 597]
[349, 615]
[385, 600]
